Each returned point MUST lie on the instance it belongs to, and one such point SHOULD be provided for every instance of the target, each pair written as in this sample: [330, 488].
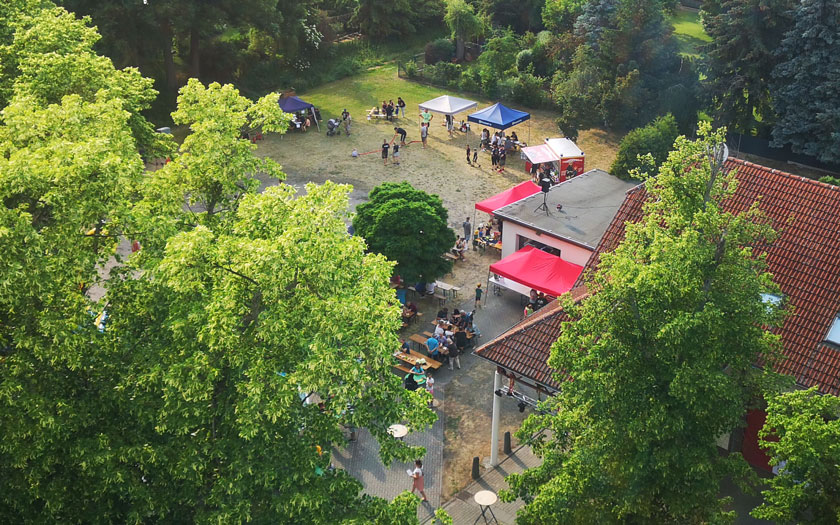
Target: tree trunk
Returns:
[195, 51]
[459, 48]
[168, 58]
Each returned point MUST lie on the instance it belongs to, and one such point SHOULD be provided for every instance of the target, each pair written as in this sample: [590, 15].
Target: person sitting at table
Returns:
[443, 313]
[418, 373]
[459, 248]
[420, 288]
[430, 288]
[408, 314]
[513, 136]
[440, 328]
[508, 144]
[405, 347]
[542, 300]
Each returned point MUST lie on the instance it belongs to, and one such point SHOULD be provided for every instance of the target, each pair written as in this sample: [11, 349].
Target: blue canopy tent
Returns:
[500, 117]
[294, 104]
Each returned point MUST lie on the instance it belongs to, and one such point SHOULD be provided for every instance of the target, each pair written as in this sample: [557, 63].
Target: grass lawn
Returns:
[689, 31]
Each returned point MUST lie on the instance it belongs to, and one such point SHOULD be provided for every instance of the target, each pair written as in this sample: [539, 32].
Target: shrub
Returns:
[438, 50]
[505, 88]
[524, 60]
[470, 81]
[657, 139]
[528, 90]
[411, 69]
[442, 73]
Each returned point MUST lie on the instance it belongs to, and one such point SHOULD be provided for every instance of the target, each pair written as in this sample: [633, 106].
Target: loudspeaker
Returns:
[545, 184]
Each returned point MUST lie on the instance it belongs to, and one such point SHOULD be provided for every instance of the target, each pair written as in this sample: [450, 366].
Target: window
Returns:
[834, 332]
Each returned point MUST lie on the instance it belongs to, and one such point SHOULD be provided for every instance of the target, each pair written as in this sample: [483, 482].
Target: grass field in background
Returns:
[689, 31]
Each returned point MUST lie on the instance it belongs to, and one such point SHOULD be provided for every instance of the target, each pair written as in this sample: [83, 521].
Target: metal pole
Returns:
[494, 432]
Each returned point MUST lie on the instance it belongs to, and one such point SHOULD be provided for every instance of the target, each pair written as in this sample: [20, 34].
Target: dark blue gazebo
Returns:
[498, 116]
[294, 104]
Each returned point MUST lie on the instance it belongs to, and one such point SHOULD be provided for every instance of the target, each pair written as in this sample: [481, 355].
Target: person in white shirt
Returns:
[417, 475]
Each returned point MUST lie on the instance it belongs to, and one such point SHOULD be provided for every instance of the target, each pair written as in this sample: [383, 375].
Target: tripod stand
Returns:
[543, 206]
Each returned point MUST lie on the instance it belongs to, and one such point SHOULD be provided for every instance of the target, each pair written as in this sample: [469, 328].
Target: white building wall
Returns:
[568, 251]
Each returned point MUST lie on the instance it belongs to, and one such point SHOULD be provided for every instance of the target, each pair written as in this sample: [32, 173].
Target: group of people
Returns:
[546, 170]
[390, 109]
[451, 336]
[536, 300]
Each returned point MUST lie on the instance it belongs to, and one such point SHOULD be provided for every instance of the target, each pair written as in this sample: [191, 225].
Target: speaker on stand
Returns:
[545, 186]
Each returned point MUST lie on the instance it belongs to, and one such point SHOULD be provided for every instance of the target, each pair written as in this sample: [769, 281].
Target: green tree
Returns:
[408, 226]
[802, 432]
[661, 359]
[805, 85]
[745, 35]
[560, 15]
[380, 21]
[464, 24]
[655, 139]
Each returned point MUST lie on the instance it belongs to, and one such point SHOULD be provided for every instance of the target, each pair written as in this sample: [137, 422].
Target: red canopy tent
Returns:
[538, 270]
[518, 192]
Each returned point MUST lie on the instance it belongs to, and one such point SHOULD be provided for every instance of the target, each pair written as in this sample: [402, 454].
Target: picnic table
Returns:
[411, 359]
[446, 287]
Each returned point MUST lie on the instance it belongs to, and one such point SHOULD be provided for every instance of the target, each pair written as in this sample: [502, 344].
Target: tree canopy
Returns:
[806, 85]
[659, 360]
[213, 372]
[407, 226]
[802, 433]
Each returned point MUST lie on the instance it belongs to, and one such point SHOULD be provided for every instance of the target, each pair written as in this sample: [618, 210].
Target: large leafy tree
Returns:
[401, 17]
[802, 433]
[408, 226]
[745, 35]
[464, 24]
[806, 84]
[659, 360]
[626, 71]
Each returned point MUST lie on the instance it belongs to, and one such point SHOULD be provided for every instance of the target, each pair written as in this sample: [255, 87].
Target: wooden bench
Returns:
[433, 364]
[441, 299]
[428, 334]
[451, 256]
[420, 340]
[402, 368]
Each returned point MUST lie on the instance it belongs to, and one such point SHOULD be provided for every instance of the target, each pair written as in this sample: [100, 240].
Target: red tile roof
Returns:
[524, 349]
[804, 260]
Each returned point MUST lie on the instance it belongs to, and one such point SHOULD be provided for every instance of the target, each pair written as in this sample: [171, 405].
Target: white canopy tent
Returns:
[448, 105]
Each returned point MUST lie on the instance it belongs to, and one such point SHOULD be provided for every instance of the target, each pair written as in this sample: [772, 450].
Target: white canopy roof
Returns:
[448, 105]
[564, 147]
[540, 154]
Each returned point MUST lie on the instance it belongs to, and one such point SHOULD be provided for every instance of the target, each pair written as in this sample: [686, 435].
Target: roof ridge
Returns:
[774, 171]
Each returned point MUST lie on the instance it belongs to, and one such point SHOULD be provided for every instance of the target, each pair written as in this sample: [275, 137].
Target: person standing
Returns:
[450, 124]
[401, 106]
[345, 116]
[424, 134]
[396, 154]
[467, 225]
[417, 475]
[427, 118]
[385, 147]
[468, 155]
[502, 159]
[478, 292]
[401, 132]
[460, 345]
[475, 157]
[494, 157]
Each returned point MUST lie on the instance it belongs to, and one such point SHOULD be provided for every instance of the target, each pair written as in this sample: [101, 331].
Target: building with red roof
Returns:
[804, 261]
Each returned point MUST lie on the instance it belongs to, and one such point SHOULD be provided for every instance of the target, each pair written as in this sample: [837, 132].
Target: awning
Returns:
[498, 116]
[564, 147]
[448, 105]
[540, 154]
[518, 192]
[293, 104]
[538, 270]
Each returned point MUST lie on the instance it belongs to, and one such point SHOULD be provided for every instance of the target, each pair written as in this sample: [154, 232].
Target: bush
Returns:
[524, 60]
[443, 73]
[411, 69]
[470, 81]
[438, 50]
[657, 138]
[528, 90]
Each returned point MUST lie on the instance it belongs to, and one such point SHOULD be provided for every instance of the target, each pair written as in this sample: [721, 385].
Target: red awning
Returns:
[538, 270]
[518, 192]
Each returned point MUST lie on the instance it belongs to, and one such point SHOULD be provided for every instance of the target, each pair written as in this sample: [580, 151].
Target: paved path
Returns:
[361, 459]
[464, 510]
